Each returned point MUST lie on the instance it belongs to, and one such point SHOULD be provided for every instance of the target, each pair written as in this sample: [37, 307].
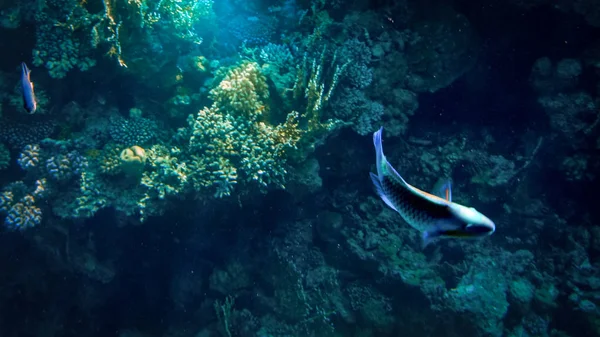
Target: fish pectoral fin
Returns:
[428, 237]
[443, 189]
[379, 190]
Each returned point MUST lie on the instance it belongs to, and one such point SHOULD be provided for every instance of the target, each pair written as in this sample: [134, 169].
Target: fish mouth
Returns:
[481, 229]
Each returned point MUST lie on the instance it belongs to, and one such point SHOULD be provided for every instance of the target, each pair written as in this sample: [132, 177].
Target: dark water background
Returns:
[322, 256]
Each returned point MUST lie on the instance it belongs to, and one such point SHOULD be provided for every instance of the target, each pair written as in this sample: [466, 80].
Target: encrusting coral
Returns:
[133, 160]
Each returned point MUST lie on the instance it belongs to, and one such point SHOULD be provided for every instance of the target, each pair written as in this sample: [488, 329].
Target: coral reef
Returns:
[200, 168]
[4, 157]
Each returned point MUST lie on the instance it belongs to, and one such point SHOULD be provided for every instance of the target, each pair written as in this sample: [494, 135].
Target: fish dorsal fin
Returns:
[443, 189]
[397, 177]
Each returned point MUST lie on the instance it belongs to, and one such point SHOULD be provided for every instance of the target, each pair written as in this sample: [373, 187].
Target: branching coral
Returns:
[60, 46]
[212, 148]
[312, 84]
[19, 205]
[180, 17]
[69, 31]
[167, 176]
[234, 139]
[244, 89]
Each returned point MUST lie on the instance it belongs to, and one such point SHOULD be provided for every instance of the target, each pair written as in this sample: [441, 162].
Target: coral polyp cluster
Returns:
[243, 142]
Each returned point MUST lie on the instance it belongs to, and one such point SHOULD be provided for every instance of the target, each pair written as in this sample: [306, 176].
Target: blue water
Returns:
[201, 168]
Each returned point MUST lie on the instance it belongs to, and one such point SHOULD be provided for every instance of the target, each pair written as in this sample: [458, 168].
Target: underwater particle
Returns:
[133, 160]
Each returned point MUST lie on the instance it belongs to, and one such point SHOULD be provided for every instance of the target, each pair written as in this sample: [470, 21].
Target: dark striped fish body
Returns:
[433, 216]
[417, 211]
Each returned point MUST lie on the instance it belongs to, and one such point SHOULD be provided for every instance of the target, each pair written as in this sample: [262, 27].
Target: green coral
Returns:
[68, 32]
[521, 293]
[168, 174]
[232, 142]
[481, 294]
[546, 296]
[84, 204]
[372, 306]
[60, 44]
[108, 160]
[177, 16]
[212, 136]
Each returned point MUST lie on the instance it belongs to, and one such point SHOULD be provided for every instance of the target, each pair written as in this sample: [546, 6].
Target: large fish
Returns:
[29, 102]
[435, 217]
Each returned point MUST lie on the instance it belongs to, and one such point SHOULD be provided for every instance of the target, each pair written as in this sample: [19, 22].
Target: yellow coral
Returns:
[133, 160]
[234, 136]
[198, 63]
[244, 90]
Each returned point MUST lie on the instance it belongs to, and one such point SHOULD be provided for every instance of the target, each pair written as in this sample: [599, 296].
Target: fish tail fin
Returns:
[379, 156]
[381, 161]
[379, 190]
[25, 69]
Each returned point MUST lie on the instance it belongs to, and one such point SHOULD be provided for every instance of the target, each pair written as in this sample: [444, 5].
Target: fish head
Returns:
[474, 223]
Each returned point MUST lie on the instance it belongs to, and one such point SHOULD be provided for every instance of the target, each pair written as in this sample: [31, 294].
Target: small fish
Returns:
[435, 217]
[29, 102]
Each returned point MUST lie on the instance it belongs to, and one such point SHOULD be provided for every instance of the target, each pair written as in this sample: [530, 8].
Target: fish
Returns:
[434, 216]
[29, 101]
